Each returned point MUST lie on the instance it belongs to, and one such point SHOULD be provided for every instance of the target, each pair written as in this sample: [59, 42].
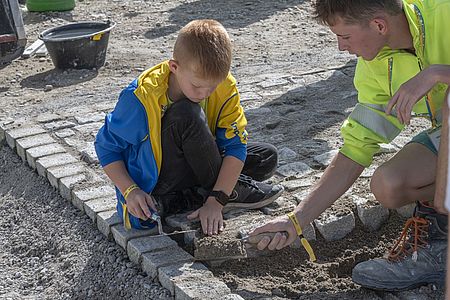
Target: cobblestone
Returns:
[93, 207]
[139, 246]
[44, 163]
[37, 152]
[152, 261]
[81, 196]
[54, 174]
[107, 219]
[334, 228]
[17, 133]
[32, 141]
[122, 236]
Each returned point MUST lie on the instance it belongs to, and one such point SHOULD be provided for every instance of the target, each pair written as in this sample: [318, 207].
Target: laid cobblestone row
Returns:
[54, 174]
[17, 133]
[152, 261]
[56, 160]
[107, 219]
[79, 197]
[34, 153]
[93, 207]
[191, 281]
[32, 141]
[137, 247]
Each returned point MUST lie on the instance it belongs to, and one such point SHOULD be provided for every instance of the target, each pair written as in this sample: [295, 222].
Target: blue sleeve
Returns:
[124, 127]
[231, 147]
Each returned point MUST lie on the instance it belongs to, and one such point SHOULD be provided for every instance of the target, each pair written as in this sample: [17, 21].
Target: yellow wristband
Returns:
[129, 190]
[303, 240]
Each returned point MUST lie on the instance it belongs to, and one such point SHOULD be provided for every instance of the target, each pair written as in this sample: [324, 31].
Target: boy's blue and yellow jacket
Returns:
[378, 80]
[132, 132]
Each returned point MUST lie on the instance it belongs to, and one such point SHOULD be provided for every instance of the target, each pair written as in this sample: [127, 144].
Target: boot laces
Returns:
[247, 180]
[413, 237]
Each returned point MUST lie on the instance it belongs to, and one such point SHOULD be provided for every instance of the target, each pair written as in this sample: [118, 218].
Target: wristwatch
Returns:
[220, 196]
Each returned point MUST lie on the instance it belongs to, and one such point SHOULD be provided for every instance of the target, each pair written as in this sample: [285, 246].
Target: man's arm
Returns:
[336, 180]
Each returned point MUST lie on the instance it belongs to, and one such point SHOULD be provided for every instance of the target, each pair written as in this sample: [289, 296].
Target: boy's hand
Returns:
[138, 203]
[210, 215]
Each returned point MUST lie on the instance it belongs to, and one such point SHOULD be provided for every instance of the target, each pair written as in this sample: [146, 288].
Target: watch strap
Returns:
[220, 196]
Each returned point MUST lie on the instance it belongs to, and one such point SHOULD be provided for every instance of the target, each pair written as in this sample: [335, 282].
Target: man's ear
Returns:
[380, 25]
[173, 66]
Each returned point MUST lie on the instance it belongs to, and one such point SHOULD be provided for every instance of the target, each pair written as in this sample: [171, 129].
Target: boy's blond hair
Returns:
[206, 46]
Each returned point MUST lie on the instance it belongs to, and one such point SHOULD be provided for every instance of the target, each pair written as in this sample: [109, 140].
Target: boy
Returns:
[403, 65]
[176, 140]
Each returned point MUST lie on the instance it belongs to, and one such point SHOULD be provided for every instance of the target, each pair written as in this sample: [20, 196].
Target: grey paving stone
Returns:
[44, 163]
[93, 207]
[152, 261]
[325, 159]
[295, 169]
[89, 128]
[23, 144]
[406, 211]
[174, 274]
[37, 152]
[48, 117]
[89, 155]
[286, 154]
[107, 219]
[204, 289]
[333, 228]
[122, 236]
[64, 133]
[371, 215]
[292, 185]
[66, 185]
[21, 132]
[58, 125]
[81, 196]
[90, 118]
[139, 246]
[54, 174]
[232, 297]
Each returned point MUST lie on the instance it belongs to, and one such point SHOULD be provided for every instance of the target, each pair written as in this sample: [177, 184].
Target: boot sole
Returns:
[256, 205]
[435, 279]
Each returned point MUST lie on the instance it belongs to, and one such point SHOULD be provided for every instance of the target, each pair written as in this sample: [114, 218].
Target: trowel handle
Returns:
[257, 238]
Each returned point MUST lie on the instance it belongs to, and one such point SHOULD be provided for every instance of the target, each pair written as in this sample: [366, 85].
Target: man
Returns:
[403, 67]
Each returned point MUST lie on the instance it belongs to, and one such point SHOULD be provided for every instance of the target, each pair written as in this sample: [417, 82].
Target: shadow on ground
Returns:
[232, 13]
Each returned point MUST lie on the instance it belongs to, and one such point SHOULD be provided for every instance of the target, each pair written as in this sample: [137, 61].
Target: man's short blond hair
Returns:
[206, 46]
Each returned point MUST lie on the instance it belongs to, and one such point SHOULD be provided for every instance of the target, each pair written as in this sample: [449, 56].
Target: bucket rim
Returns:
[42, 35]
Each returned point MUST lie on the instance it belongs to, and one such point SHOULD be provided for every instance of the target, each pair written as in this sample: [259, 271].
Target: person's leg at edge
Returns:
[408, 177]
[261, 162]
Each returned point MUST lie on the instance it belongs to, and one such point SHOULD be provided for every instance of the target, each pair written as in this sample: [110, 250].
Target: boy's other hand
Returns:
[138, 203]
[210, 215]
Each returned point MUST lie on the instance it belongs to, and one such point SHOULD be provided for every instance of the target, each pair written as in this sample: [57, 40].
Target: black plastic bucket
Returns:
[79, 45]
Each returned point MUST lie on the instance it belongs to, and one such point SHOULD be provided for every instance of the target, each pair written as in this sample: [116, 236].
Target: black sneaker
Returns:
[252, 194]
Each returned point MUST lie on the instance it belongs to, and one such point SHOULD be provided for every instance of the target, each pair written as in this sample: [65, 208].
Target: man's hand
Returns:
[138, 203]
[210, 215]
[410, 93]
[280, 240]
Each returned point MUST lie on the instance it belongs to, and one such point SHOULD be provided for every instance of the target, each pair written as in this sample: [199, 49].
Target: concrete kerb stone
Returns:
[93, 207]
[107, 219]
[81, 196]
[152, 261]
[66, 185]
[37, 152]
[191, 281]
[170, 275]
[54, 174]
[44, 163]
[32, 141]
[21, 132]
[122, 236]
[139, 246]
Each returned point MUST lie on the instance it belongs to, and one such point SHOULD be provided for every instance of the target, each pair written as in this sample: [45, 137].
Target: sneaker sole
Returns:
[256, 205]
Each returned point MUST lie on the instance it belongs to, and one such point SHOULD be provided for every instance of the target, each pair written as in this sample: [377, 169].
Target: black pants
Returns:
[191, 158]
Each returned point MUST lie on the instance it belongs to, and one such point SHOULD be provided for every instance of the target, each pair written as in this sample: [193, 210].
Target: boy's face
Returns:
[191, 85]
[362, 40]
